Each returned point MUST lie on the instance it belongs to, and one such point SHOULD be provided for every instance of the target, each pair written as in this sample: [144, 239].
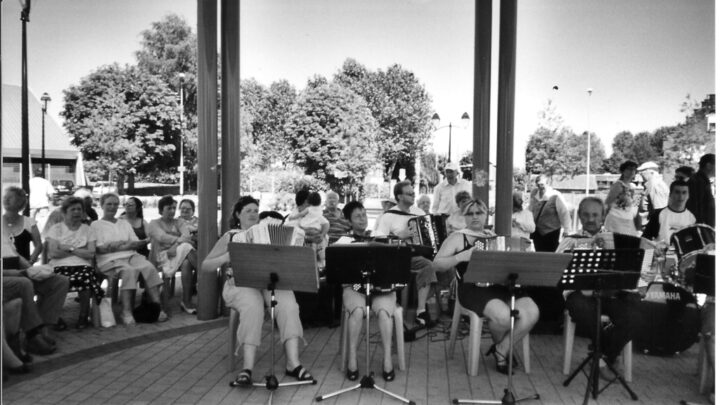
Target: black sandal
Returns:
[243, 379]
[300, 373]
[352, 375]
[388, 375]
[501, 361]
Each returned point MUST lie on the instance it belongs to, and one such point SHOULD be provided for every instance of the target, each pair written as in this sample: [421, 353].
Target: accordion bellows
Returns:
[267, 233]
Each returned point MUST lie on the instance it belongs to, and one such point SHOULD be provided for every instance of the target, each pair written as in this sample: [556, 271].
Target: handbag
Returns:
[40, 272]
[107, 318]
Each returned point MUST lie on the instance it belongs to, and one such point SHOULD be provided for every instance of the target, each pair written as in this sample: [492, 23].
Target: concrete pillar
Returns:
[506, 117]
[230, 42]
[207, 153]
[481, 100]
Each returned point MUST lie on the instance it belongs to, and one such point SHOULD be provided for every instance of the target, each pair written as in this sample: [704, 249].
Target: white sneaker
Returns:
[128, 319]
[163, 317]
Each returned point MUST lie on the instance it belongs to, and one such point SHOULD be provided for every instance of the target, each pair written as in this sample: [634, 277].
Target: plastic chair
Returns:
[569, 332]
[704, 369]
[399, 338]
[475, 335]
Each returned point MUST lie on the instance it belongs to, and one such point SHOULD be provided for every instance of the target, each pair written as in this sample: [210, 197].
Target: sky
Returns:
[640, 57]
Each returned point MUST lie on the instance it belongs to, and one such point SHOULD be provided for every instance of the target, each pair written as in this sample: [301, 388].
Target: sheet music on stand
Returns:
[621, 267]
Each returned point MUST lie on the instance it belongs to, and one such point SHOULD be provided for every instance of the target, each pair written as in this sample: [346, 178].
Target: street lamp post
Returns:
[45, 98]
[436, 119]
[587, 180]
[181, 169]
[25, 131]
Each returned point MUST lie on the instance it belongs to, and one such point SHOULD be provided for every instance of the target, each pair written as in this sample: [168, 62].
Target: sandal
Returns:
[501, 362]
[300, 373]
[60, 325]
[352, 375]
[243, 379]
[388, 375]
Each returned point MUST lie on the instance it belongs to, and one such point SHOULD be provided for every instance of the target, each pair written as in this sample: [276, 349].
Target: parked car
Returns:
[63, 188]
[102, 187]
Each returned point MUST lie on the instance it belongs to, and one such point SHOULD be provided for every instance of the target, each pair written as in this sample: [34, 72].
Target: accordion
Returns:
[428, 230]
[267, 233]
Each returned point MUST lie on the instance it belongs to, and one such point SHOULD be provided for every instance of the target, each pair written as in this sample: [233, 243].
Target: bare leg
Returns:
[292, 353]
[249, 356]
[423, 293]
[128, 296]
[497, 314]
[186, 275]
[354, 327]
[385, 324]
[85, 304]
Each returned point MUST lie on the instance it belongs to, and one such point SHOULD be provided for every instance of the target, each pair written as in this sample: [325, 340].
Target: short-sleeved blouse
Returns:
[78, 239]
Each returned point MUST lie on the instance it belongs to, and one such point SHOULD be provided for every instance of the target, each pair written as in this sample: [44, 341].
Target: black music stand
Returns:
[370, 264]
[601, 270]
[506, 268]
[261, 267]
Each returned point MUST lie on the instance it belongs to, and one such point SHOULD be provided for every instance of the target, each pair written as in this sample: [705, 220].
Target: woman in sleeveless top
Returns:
[249, 302]
[134, 216]
[492, 302]
[619, 202]
[21, 229]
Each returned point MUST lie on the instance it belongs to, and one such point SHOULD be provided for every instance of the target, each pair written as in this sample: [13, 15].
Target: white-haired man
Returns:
[444, 195]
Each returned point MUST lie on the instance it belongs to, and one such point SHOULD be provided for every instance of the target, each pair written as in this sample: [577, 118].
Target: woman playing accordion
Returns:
[490, 302]
[249, 302]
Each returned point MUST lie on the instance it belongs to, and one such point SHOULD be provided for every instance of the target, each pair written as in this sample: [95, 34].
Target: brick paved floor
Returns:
[186, 363]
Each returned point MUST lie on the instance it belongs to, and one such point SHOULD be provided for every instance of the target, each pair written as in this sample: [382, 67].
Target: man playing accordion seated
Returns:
[249, 302]
[622, 307]
[394, 223]
[383, 302]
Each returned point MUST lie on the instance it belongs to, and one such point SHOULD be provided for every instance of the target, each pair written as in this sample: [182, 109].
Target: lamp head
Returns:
[465, 117]
[435, 119]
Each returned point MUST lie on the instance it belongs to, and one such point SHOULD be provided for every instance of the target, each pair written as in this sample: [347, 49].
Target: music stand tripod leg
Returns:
[509, 393]
[367, 381]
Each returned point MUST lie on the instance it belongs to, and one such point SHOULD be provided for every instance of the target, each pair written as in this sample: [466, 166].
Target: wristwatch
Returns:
[72, 249]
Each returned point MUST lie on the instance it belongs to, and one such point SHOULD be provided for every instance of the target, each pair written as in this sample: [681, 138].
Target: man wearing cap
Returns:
[444, 196]
[656, 192]
[702, 201]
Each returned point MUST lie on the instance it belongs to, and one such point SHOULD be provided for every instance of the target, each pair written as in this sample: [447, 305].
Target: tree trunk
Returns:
[131, 183]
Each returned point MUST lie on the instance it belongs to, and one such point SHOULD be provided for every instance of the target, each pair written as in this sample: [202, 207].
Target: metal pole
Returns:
[587, 180]
[25, 132]
[230, 43]
[207, 153]
[44, 111]
[506, 117]
[449, 142]
[481, 100]
[182, 133]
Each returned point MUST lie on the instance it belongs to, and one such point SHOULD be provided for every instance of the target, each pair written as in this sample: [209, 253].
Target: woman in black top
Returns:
[492, 302]
[134, 215]
[21, 229]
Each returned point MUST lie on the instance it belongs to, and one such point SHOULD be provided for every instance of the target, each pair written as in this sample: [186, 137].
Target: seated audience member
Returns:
[171, 247]
[622, 307]
[489, 302]
[383, 303]
[523, 223]
[117, 246]
[621, 213]
[248, 302]
[702, 197]
[394, 224]
[424, 203]
[134, 216]
[21, 229]
[187, 214]
[456, 221]
[71, 250]
[663, 223]
[339, 226]
[684, 173]
[34, 316]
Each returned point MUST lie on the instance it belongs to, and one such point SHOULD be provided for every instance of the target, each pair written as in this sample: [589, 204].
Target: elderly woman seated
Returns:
[248, 302]
[117, 247]
[171, 246]
[71, 249]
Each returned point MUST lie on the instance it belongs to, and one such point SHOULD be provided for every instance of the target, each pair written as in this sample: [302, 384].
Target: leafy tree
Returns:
[561, 152]
[124, 120]
[622, 148]
[332, 136]
[169, 48]
[689, 141]
[400, 105]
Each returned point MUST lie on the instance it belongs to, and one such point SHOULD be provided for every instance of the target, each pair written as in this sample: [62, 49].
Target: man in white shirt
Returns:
[394, 223]
[41, 191]
[662, 223]
[444, 195]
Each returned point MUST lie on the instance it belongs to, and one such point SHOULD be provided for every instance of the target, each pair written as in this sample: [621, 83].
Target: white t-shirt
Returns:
[77, 239]
[672, 221]
[40, 190]
[313, 219]
[390, 223]
[107, 232]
